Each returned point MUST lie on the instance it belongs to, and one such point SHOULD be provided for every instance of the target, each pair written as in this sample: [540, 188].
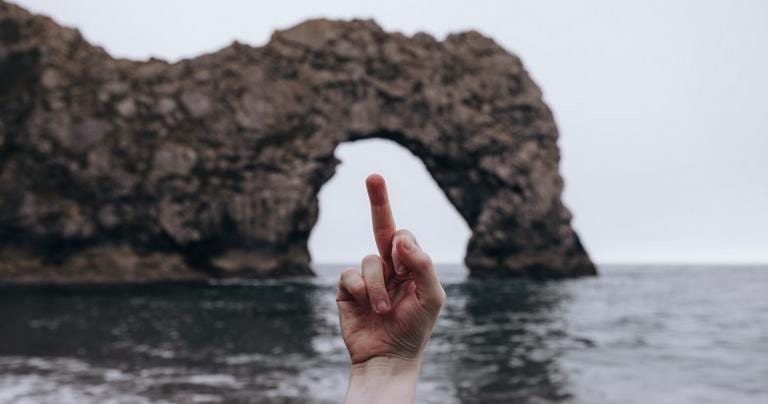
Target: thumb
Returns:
[428, 287]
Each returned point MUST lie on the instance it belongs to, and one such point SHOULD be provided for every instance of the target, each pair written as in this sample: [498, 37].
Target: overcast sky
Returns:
[661, 107]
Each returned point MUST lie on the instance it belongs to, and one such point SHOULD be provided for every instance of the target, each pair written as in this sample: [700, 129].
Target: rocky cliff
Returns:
[116, 170]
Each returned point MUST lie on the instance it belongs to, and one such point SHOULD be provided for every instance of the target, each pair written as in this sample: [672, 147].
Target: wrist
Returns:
[385, 366]
[384, 378]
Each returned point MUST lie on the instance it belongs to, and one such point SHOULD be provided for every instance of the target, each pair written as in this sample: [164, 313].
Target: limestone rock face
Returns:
[118, 170]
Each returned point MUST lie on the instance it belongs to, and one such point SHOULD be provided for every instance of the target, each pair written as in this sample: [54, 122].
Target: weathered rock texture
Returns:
[118, 170]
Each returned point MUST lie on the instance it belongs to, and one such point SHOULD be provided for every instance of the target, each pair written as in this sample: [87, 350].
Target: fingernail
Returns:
[400, 269]
[382, 306]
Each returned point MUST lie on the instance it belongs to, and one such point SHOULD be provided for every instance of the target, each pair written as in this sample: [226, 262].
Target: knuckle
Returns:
[357, 287]
[442, 296]
[425, 260]
[375, 287]
[347, 274]
[407, 235]
[437, 299]
[371, 259]
[403, 233]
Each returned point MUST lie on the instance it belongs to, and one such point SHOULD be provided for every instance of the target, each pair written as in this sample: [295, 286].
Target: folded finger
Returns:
[397, 263]
[352, 287]
[428, 286]
[373, 275]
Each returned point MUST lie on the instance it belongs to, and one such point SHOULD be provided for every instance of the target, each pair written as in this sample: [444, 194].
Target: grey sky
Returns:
[661, 107]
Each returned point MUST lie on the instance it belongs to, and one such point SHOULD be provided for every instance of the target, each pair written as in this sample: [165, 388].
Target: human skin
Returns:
[387, 309]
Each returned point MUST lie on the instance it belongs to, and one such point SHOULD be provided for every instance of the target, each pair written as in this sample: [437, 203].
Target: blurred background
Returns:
[663, 123]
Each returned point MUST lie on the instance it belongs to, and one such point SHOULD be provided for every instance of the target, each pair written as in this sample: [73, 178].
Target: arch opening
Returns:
[342, 234]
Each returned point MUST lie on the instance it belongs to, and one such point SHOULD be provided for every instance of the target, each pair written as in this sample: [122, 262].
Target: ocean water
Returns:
[635, 334]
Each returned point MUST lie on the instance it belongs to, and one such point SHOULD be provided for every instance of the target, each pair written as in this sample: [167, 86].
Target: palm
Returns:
[401, 332]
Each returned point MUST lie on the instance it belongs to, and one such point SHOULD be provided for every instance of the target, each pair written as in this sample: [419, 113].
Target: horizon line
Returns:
[601, 263]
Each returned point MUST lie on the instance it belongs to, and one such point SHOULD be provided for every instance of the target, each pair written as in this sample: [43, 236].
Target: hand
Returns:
[388, 310]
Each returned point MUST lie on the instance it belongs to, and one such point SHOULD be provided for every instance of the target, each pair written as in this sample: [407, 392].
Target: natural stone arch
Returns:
[212, 165]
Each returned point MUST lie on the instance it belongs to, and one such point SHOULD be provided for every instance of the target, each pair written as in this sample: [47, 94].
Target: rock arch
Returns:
[122, 170]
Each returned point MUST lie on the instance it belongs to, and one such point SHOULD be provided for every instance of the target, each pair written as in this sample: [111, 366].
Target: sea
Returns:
[634, 334]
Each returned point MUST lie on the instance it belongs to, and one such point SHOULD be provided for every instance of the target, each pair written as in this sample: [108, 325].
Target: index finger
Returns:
[381, 217]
